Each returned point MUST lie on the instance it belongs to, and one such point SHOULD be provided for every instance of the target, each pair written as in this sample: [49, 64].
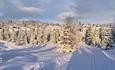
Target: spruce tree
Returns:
[68, 42]
[89, 36]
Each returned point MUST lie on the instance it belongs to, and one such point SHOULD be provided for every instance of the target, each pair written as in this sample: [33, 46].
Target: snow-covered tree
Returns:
[113, 31]
[89, 36]
[68, 40]
[105, 36]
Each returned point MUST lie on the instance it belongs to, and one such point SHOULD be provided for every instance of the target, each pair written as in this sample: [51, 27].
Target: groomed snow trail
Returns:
[92, 59]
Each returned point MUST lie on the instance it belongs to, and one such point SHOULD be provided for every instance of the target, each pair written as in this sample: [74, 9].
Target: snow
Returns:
[45, 57]
[41, 57]
[95, 61]
[2, 46]
[109, 55]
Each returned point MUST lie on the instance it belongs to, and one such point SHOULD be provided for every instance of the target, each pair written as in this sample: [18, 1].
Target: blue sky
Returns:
[90, 11]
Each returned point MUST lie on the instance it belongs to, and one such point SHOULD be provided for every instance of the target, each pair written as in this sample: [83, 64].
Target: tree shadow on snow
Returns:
[23, 53]
[49, 65]
[2, 45]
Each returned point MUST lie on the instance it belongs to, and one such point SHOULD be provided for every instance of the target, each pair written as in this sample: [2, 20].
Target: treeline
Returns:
[100, 36]
[96, 35]
[29, 32]
[68, 35]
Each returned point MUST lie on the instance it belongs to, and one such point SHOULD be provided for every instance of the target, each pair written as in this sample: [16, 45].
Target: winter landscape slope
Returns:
[45, 57]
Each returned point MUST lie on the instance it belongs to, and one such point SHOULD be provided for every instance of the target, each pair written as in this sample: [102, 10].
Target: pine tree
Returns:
[96, 37]
[1, 33]
[13, 34]
[105, 36]
[21, 38]
[6, 33]
[113, 31]
[68, 42]
[54, 36]
[89, 36]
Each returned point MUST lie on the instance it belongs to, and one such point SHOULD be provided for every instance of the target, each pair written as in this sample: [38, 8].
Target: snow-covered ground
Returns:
[45, 57]
[92, 59]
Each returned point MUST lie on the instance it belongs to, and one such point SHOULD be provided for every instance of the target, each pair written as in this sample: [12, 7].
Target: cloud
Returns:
[17, 9]
[30, 9]
[69, 9]
[95, 11]
[55, 10]
[65, 14]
